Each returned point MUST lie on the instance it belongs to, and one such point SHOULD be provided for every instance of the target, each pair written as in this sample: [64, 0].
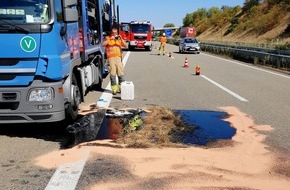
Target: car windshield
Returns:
[24, 11]
[140, 28]
[190, 40]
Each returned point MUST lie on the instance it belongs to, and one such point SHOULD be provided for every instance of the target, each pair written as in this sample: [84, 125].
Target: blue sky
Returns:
[161, 12]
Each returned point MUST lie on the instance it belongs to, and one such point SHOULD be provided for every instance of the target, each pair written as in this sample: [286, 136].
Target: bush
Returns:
[234, 24]
[268, 21]
[283, 47]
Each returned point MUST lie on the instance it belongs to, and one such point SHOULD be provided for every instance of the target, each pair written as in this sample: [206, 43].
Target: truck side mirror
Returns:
[69, 3]
[70, 14]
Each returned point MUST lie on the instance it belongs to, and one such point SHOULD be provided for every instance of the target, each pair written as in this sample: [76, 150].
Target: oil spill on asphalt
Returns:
[109, 131]
[209, 126]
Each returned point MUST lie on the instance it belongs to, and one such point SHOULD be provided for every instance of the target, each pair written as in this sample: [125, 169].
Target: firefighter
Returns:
[113, 44]
[163, 41]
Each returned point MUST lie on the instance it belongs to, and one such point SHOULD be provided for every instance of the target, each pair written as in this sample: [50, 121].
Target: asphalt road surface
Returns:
[159, 80]
[261, 93]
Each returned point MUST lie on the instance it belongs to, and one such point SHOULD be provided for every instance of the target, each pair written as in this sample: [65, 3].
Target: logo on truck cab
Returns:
[28, 44]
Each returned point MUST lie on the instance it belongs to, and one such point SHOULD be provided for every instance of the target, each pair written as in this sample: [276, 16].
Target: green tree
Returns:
[168, 25]
[273, 2]
[188, 20]
[283, 3]
[199, 15]
[215, 15]
[249, 4]
[214, 11]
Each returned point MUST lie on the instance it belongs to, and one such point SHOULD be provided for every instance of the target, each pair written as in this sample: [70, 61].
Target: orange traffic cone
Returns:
[197, 70]
[185, 63]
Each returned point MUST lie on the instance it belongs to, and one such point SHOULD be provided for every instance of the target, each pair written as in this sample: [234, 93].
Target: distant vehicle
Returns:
[141, 35]
[189, 44]
[187, 32]
[125, 32]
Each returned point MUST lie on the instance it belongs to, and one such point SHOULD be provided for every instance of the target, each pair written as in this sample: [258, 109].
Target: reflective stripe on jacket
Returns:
[113, 49]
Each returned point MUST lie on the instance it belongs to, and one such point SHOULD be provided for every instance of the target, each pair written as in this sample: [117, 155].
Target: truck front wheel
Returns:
[73, 105]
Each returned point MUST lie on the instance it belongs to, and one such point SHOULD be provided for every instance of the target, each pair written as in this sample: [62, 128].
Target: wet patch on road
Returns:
[209, 126]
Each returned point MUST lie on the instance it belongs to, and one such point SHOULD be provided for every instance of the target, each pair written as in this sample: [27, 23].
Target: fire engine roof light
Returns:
[140, 22]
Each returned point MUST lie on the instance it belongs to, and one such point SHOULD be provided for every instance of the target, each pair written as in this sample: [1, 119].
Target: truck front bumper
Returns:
[140, 44]
[15, 106]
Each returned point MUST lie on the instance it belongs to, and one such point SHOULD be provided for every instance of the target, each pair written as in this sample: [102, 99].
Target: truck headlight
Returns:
[40, 95]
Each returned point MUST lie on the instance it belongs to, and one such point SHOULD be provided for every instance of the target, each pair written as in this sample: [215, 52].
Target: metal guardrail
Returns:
[279, 59]
[266, 50]
[270, 57]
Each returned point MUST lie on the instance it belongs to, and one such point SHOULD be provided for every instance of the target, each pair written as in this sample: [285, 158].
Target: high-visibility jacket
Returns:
[113, 48]
[163, 40]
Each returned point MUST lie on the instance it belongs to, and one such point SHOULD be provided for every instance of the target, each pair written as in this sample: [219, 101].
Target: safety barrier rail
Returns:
[279, 59]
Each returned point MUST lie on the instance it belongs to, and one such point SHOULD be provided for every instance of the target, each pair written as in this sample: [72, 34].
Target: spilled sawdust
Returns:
[247, 164]
[161, 127]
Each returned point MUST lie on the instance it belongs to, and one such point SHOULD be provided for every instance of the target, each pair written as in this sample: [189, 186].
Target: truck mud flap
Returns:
[85, 129]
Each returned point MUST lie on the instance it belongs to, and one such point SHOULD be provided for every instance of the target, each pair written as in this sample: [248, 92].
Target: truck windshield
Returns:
[140, 28]
[24, 11]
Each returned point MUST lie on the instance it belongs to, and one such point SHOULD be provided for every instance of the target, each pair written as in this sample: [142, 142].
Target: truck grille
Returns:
[17, 72]
[7, 77]
[9, 100]
[9, 96]
[140, 37]
[9, 106]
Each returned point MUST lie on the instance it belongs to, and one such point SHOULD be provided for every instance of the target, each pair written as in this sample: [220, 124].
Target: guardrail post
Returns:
[266, 59]
[278, 63]
[256, 60]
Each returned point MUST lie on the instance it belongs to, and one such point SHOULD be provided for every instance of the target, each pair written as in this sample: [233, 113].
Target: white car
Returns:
[189, 44]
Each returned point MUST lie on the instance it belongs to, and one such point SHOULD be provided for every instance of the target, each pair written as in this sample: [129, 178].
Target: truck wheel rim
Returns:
[76, 96]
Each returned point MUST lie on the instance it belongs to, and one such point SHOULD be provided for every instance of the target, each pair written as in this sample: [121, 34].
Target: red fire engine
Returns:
[138, 34]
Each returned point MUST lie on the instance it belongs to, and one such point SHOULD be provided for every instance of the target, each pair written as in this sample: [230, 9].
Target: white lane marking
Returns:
[125, 59]
[249, 66]
[225, 89]
[67, 175]
[106, 97]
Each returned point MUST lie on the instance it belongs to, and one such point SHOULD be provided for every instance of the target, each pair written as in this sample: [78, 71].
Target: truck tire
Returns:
[73, 106]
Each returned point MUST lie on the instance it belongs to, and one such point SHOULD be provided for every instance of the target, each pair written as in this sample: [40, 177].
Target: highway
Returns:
[263, 94]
